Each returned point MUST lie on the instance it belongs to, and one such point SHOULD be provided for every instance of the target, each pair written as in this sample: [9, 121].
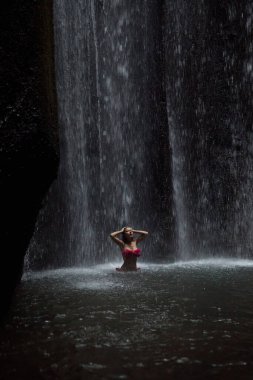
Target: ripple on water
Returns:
[93, 366]
[178, 316]
[95, 285]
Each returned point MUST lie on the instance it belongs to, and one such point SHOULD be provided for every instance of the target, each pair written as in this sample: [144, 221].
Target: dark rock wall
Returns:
[28, 128]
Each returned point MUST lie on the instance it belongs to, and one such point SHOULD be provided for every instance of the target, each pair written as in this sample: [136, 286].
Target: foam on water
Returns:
[105, 269]
[214, 262]
[95, 285]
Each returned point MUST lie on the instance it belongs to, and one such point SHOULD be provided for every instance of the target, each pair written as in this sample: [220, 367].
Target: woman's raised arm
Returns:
[114, 237]
[143, 235]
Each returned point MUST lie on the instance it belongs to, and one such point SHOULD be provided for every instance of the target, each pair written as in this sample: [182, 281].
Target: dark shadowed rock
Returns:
[28, 129]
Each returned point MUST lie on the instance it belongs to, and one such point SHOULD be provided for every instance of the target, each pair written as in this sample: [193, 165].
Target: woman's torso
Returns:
[130, 249]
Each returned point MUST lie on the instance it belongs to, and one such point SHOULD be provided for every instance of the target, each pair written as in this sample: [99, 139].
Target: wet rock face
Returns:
[28, 128]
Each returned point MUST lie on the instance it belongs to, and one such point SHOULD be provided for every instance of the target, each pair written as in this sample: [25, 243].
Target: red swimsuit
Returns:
[130, 257]
[127, 252]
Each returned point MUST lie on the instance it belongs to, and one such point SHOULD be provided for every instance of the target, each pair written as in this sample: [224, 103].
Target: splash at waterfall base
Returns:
[188, 321]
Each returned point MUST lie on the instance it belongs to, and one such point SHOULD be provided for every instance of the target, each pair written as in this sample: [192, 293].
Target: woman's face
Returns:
[128, 231]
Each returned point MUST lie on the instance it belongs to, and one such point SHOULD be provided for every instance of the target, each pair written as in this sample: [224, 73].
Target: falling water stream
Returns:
[154, 102]
[111, 99]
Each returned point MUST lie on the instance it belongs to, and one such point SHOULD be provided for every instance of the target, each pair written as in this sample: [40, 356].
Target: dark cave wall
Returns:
[28, 128]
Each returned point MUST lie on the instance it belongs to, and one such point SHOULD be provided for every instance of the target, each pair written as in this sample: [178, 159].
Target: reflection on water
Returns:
[188, 320]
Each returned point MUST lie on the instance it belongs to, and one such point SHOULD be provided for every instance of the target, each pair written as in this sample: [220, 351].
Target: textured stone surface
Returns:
[28, 128]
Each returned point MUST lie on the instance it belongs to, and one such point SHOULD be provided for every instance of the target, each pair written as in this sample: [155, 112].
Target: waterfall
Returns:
[155, 120]
[110, 100]
[208, 92]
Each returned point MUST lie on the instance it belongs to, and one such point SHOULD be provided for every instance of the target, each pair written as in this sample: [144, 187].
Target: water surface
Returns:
[189, 320]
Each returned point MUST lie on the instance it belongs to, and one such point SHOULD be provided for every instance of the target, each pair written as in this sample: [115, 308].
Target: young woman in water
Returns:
[128, 245]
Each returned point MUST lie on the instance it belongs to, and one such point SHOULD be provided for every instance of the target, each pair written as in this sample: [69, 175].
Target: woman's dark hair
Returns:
[124, 237]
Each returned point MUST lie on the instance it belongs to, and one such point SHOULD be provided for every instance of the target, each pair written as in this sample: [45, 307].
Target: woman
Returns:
[128, 246]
